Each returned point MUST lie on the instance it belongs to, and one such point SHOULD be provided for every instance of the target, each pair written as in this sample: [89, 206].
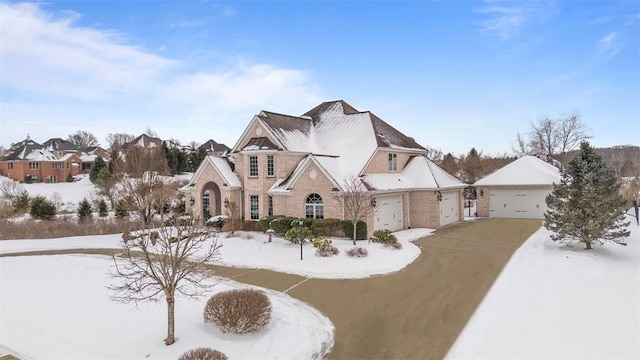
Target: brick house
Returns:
[293, 166]
[29, 159]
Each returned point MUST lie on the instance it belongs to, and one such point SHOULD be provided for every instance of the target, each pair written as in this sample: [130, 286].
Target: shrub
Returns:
[251, 225]
[396, 245]
[384, 236]
[347, 229]
[102, 208]
[357, 252]
[41, 208]
[321, 242]
[21, 203]
[327, 251]
[239, 311]
[294, 234]
[326, 227]
[217, 221]
[69, 177]
[280, 225]
[120, 210]
[84, 209]
[203, 353]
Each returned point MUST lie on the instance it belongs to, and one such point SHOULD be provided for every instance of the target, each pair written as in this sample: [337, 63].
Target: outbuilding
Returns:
[517, 190]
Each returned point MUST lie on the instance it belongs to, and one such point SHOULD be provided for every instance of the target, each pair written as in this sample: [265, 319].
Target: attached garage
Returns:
[388, 213]
[518, 190]
[520, 204]
[449, 208]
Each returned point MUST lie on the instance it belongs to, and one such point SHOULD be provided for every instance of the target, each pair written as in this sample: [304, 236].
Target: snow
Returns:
[527, 170]
[420, 173]
[49, 309]
[553, 301]
[251, 250]
[71, 193]
[222, 166]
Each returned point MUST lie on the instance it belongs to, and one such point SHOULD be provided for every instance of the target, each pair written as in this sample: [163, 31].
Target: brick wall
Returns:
[380, 161]
[425, 210]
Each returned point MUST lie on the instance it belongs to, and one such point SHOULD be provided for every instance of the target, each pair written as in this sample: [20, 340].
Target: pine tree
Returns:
[102, 208]
[84, 209]
[586, 206]
[98, 165]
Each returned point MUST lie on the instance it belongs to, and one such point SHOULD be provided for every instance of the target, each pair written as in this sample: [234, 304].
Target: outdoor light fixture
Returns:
[481, 192]
[192, 201]
[226, 202]
[439, 196]
[373, 202]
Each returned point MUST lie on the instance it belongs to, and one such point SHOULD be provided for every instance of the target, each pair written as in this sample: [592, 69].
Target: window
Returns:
[34, 166]
[57, 165]
[253, 165]
[255, 207]
[10, 166]
[393, 162]
[270, 166]
[270, 205]
[313, 207]
[67, 165]
[205, 206]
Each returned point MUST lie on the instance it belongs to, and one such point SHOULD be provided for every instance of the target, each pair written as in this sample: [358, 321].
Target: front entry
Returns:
[211, 203]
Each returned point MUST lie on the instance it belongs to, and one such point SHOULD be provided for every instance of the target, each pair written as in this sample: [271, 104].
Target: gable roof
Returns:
[144, 141]
[222, 166]
[286, 184]
[59, 144]
[418, 173]
[527, 170]
[213, 146]
[25, 150]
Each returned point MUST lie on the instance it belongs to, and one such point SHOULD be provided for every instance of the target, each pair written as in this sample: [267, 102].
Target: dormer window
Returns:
[393, 162]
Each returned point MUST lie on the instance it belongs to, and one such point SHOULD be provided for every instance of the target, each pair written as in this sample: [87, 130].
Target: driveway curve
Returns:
[416, 313]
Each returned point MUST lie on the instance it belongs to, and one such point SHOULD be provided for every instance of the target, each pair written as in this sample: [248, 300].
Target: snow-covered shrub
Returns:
[327, 251]
[384, 236]
[396, 245]
[321, 242]
[294, 235]
[357, 252]
[41, 208]
[239, 311]
[217, 221]
[203, 353]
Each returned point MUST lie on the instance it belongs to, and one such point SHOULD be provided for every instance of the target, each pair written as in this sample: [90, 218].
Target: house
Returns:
[294, 165]
[144, 141]
[517, 190]
[213, 148]
[30, 161]
[89, 155]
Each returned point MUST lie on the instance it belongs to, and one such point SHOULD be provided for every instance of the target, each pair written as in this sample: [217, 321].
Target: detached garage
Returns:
[518, 190]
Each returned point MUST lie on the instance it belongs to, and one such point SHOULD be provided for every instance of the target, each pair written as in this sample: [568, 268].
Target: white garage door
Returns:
[388, 213]
[523, 204]
[449, 208]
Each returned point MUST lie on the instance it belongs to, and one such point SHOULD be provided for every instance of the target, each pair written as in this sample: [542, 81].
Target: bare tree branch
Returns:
[355, 201]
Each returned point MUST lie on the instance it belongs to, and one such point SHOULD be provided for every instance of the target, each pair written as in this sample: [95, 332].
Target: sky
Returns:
[453, 75]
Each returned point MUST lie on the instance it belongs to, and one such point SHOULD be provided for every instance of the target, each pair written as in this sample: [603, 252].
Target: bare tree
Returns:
[552, 137]
[435, 155]
[521, 147]
[142, 184]
[571, 132]
[116, 140]
[472, 166]
[83, 139]
[164, 262]
[150, 132]
[233, 213]
[355, 201]
[543, 136]
[10, 190]
[449, 164]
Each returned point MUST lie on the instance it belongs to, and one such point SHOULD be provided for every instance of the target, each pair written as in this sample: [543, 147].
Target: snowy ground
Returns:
[555, 302]
[279, 255]
[50, 309]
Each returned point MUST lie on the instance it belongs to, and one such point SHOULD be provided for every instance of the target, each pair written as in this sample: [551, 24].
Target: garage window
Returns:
[313, 207]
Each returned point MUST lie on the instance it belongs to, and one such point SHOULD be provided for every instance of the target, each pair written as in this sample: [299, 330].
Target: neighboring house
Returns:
[144, 141]
[29, 159]
[294, 165]
[213, 148]
[89, 155]
[517, 190]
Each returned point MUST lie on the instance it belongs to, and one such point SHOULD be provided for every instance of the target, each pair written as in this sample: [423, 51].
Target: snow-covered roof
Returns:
[527, 170]
[419, 173]
[221, 165]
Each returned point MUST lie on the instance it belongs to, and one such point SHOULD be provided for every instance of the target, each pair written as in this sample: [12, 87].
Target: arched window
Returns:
[313, 207]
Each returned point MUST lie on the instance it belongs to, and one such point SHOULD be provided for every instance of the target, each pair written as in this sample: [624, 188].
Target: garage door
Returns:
[388, 213]
[449, 208]
[523, 204]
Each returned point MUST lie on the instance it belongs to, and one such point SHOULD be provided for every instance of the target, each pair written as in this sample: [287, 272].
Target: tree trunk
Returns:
[171, 302]
[588, 244]
[354, 231]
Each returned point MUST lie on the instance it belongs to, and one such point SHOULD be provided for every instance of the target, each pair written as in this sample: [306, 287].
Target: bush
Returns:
[384, 236]
[102, 208]
[347, 229]
[84, 209]
[69, 177]
[326, 227]
[251, 225]
[120, 210]
[217, 221]
[41, 208]
[203, 354]
[294, 234]
[280, 224]
[357, 252]
[327, 251]
[321, 242]
[239, 311]
[21, 203]
[396, 245]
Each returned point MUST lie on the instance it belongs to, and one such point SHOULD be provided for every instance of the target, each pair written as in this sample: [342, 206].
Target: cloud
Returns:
[506, 19]
[609, 45]
[57, 77]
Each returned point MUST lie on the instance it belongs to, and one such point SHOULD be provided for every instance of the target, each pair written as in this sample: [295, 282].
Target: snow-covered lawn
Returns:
[554, 302]
[279, 255]
[59, 307]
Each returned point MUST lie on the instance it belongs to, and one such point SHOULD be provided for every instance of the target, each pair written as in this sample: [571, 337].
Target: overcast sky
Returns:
[453, 75]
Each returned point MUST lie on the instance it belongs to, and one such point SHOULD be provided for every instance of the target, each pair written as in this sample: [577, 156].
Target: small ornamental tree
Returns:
[84, 210]
[587, 206]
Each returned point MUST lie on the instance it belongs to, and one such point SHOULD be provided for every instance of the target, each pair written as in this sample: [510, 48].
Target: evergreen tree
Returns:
[472, 166]
[102, 208]
[449, 164]
[586, 206]
[195, 158]
[84, 209]
[98, 165]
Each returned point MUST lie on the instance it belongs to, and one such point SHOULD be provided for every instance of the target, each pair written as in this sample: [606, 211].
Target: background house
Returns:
[517, 190]
[30, 161]
[294, 165]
